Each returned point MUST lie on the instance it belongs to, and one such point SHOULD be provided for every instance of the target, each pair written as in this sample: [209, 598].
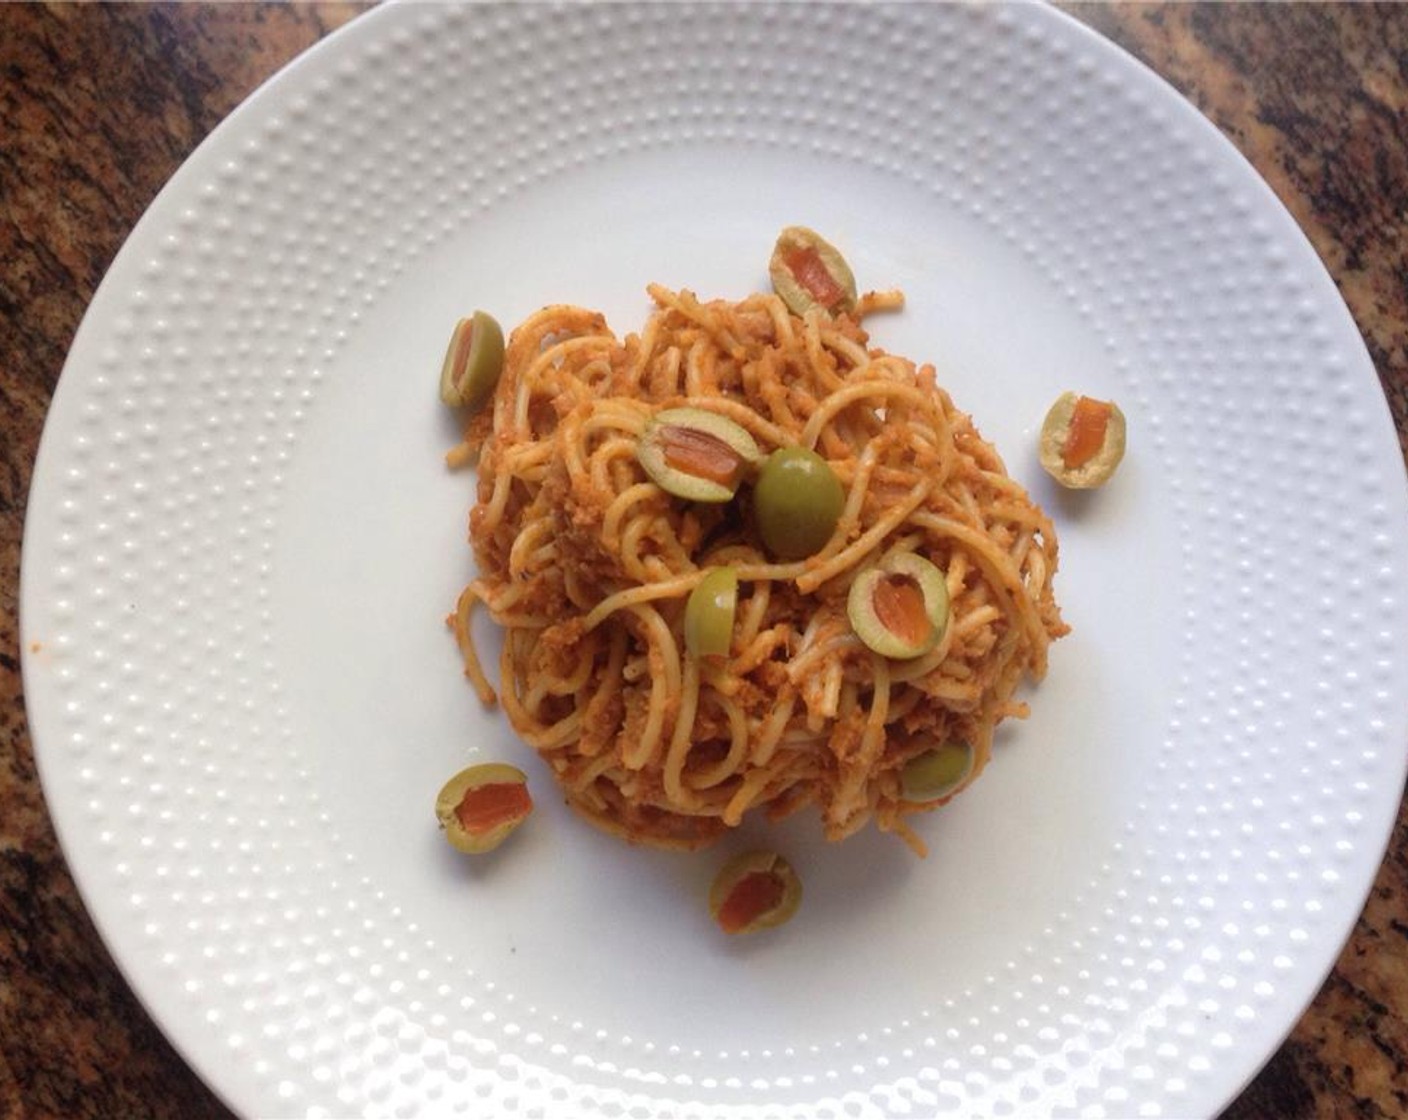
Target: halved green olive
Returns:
[753, 891]
[708, 615]
[807, 271]
[696, 454]
[473, 362]
[1082, 441]
[937, 773]
[797, 501]
[480, 806]
[899, 608]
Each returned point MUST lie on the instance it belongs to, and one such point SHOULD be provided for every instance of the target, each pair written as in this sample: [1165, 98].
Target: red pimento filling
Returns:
[809, 270]
[463, 340]
[752, 896]
[700, 454]
[899, 605]
[487, 807]
[1086, 434]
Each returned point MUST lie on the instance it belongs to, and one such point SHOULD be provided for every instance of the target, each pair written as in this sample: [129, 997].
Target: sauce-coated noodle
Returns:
[587, 566]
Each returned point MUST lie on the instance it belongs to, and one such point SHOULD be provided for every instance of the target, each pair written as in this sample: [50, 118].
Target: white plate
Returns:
[242, 543]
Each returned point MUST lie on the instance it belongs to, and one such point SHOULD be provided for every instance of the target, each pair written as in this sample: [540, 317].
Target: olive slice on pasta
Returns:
[696, 454]
[937, 773]
[709, 614]
[899, 608]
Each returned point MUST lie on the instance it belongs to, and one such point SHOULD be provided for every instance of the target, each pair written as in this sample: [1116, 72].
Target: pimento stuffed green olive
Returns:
[480, 806]
[1082, 441]
[797, 502]
[899, 608]
[696, 454]
[754, 891]
[473, 362]
[807, 271]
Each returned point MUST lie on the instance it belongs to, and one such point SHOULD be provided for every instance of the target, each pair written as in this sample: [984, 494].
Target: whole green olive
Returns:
[936, 773]
[709, 613]
[797, 501]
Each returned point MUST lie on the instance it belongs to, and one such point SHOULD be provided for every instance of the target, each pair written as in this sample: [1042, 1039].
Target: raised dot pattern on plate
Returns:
[381, 147]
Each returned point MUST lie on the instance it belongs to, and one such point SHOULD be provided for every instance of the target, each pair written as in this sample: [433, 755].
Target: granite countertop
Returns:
[100, 104]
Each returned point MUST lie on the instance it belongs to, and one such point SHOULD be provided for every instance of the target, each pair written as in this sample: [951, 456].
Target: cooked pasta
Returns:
[587, 565]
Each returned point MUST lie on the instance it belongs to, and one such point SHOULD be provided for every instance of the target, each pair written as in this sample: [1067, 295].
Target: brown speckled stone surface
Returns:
[100, 104]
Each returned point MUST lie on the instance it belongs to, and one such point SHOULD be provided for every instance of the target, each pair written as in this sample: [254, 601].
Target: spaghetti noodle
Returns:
[586, 564]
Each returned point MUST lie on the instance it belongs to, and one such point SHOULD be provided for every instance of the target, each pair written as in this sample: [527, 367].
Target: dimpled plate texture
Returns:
[242, 545]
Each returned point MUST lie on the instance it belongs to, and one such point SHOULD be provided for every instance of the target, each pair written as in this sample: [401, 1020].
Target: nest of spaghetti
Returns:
[587, 565]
